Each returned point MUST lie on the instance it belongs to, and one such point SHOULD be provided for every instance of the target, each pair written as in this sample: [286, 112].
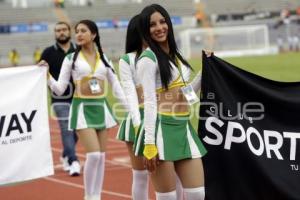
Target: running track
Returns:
[117, 181]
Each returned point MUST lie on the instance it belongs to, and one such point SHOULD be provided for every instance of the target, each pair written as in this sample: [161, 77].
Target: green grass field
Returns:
[281, 67]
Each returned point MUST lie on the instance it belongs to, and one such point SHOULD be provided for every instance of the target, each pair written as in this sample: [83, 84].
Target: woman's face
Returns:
[158, 28]
[83, 35]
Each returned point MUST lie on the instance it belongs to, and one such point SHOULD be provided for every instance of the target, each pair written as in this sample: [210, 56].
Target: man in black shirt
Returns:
[54, 56]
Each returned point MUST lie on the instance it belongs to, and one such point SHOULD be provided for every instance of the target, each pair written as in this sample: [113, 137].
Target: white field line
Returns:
[107, 161]
[82, 187]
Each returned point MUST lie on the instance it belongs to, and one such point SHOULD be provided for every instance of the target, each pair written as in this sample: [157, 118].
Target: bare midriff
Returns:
[82, 89]
[169, 101]
[172, 101]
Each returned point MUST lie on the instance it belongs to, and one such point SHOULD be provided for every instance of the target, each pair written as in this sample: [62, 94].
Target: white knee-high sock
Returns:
[194, 193]
[179, 189]
[100, 175]
[166, 195]
[139, 184]
[93, 175]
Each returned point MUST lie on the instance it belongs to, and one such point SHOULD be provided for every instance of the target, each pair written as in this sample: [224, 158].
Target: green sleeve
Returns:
[125, 58]
[149, 54]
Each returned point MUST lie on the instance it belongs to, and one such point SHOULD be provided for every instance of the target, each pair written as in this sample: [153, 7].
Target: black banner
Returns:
[251, 128]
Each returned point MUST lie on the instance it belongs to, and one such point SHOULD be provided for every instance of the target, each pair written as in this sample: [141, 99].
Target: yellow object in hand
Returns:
[150, 151]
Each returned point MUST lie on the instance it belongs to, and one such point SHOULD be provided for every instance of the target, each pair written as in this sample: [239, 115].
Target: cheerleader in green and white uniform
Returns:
[133, 91]
[130, 82]
[90, 114]
[169, 143]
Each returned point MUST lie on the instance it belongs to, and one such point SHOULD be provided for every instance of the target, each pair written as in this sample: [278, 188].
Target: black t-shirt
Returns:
[54, 56]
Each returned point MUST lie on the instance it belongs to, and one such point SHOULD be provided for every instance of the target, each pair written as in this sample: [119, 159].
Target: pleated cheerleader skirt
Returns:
[126, 131]
[91, 113]
[175, 138]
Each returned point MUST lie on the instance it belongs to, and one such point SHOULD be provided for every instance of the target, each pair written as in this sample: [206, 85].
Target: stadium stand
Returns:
[103, 10]
[245, 6]
[27, 42]
[28, 15]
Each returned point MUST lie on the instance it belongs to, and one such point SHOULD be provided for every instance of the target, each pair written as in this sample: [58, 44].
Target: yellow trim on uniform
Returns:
[86, 79]
[177, 82]
[172, 85]
[93, 68]
[160, 90]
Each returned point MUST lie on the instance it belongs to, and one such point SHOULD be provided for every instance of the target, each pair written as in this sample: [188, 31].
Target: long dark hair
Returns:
[162, 57]
[134, 40]
[94, 30]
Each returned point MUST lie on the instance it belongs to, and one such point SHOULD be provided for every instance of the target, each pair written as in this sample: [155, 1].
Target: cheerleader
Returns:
[90, 113]
[169, 143]
[133, 91]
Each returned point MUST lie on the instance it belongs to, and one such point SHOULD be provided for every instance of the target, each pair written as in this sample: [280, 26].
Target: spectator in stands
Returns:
[199, 15]
[59, 3]
[285, 16]
[62, 3]
[90, 115]
[14, 57]
[168, 135]
[285, 13]
[54, 56]
[115, 23]
[37, 55]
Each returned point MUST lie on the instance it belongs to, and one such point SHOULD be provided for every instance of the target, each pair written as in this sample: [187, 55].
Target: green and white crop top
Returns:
[129, 81]
[83, 70]
[148, 72]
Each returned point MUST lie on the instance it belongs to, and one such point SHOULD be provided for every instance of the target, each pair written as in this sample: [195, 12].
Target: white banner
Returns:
[25, 151]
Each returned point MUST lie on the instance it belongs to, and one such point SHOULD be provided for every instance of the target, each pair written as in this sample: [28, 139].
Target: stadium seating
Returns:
[102, 10]
[244, 6]
[28, 15]
[25, 43]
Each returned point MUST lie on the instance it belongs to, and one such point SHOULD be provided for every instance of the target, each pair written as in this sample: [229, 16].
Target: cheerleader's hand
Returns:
[43, 63]
[151, 160]
[208, 53]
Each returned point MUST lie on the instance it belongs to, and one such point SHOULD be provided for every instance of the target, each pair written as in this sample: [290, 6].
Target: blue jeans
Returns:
[69, 138]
